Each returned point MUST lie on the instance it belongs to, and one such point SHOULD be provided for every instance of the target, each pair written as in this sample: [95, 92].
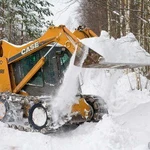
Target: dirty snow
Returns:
[127, 125]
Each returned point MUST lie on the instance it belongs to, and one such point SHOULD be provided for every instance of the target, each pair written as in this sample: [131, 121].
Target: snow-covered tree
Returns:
[22, 20]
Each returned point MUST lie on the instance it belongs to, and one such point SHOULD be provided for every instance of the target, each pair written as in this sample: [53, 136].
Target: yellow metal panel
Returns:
[5, 84]
[81, 108]
[84, 33]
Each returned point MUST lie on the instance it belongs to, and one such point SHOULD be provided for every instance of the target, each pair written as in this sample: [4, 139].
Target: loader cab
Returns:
[50, 76]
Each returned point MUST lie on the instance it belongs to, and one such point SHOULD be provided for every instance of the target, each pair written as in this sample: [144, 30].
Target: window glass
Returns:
[24, 66]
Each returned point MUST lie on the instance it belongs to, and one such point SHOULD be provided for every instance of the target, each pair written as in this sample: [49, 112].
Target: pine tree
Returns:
[22, 20]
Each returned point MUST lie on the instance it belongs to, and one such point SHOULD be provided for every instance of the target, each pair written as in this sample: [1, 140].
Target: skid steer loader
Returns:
[27, 71]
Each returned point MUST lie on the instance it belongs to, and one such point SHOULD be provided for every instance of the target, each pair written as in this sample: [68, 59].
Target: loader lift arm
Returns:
[83, 32]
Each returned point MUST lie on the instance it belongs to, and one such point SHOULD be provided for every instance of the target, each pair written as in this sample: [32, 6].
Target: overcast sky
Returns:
[62, 13]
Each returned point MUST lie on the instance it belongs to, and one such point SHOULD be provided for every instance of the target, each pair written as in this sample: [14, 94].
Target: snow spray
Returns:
[66, 95]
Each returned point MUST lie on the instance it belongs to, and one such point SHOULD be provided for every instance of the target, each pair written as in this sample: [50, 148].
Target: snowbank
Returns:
[104, 135]
[125, 96]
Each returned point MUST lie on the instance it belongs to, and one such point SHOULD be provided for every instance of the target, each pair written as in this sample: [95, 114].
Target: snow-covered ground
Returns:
[127, 127]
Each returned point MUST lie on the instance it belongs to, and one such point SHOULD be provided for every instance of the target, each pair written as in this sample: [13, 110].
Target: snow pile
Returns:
[136, 120]
[125, 95]
[104, 135]
[123, 50]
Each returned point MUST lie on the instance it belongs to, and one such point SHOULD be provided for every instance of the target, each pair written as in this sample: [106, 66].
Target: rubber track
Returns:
[15, 98]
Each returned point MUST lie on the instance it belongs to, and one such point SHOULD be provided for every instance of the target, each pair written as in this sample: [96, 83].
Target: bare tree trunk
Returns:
[127, 16]
[122, 18]
[109, 17]
[10, 29]
[3, 24]
[21, 39]
[118, 23]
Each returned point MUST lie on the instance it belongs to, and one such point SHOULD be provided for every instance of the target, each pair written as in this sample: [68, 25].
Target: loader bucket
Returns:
[86, 57]
[95, 60]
